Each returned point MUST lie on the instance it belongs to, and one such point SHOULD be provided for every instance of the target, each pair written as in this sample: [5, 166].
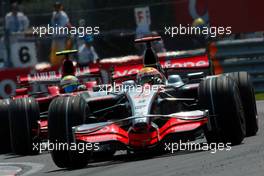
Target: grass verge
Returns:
[259, 96]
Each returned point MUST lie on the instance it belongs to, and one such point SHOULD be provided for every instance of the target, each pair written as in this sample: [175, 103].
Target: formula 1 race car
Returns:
[28, 112]
[152, 108]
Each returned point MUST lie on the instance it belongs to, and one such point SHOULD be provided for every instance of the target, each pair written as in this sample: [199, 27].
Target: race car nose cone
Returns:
[141, 124]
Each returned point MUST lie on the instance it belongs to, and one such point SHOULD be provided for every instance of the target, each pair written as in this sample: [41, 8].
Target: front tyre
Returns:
[220, 95]
[247, 95]
[65, 113]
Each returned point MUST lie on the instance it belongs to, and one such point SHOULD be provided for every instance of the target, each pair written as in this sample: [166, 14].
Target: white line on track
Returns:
[14, 168]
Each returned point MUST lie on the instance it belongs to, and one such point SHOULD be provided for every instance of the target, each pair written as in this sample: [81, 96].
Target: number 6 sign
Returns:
[23, 54]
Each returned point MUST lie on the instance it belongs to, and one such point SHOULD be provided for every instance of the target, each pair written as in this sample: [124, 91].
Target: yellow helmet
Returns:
[198, 22]
[69, 83]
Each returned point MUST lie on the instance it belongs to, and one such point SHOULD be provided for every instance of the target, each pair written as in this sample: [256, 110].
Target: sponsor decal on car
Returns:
[170, 63]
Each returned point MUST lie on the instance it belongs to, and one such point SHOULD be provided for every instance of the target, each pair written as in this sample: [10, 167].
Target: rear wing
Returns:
[193, 59]
[176, 61]
[54, 77]
[185, 62]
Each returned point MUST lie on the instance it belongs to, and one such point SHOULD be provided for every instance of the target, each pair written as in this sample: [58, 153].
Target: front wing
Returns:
[177, 123]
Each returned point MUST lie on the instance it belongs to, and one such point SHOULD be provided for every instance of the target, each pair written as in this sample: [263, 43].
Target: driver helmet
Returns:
[150, 75]
[198, 22]
[69, 83]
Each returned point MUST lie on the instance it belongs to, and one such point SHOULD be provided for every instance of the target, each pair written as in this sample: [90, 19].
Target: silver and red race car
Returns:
[142, 111]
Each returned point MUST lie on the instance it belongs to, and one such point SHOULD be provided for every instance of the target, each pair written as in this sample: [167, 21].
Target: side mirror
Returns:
[54, 90]
[197, 75]
[90, 84]
[175, 80]
[129, 83]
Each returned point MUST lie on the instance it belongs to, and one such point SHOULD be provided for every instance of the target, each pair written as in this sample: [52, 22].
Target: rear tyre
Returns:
[24, 116]
[220, 95]
[65, 113]
[5, 146]
[247, 93]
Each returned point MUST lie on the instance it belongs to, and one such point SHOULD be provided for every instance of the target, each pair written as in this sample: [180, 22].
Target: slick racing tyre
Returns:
[247, 95]
[65, 113]
[23, 121]
[5, 146]
[220, 95]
